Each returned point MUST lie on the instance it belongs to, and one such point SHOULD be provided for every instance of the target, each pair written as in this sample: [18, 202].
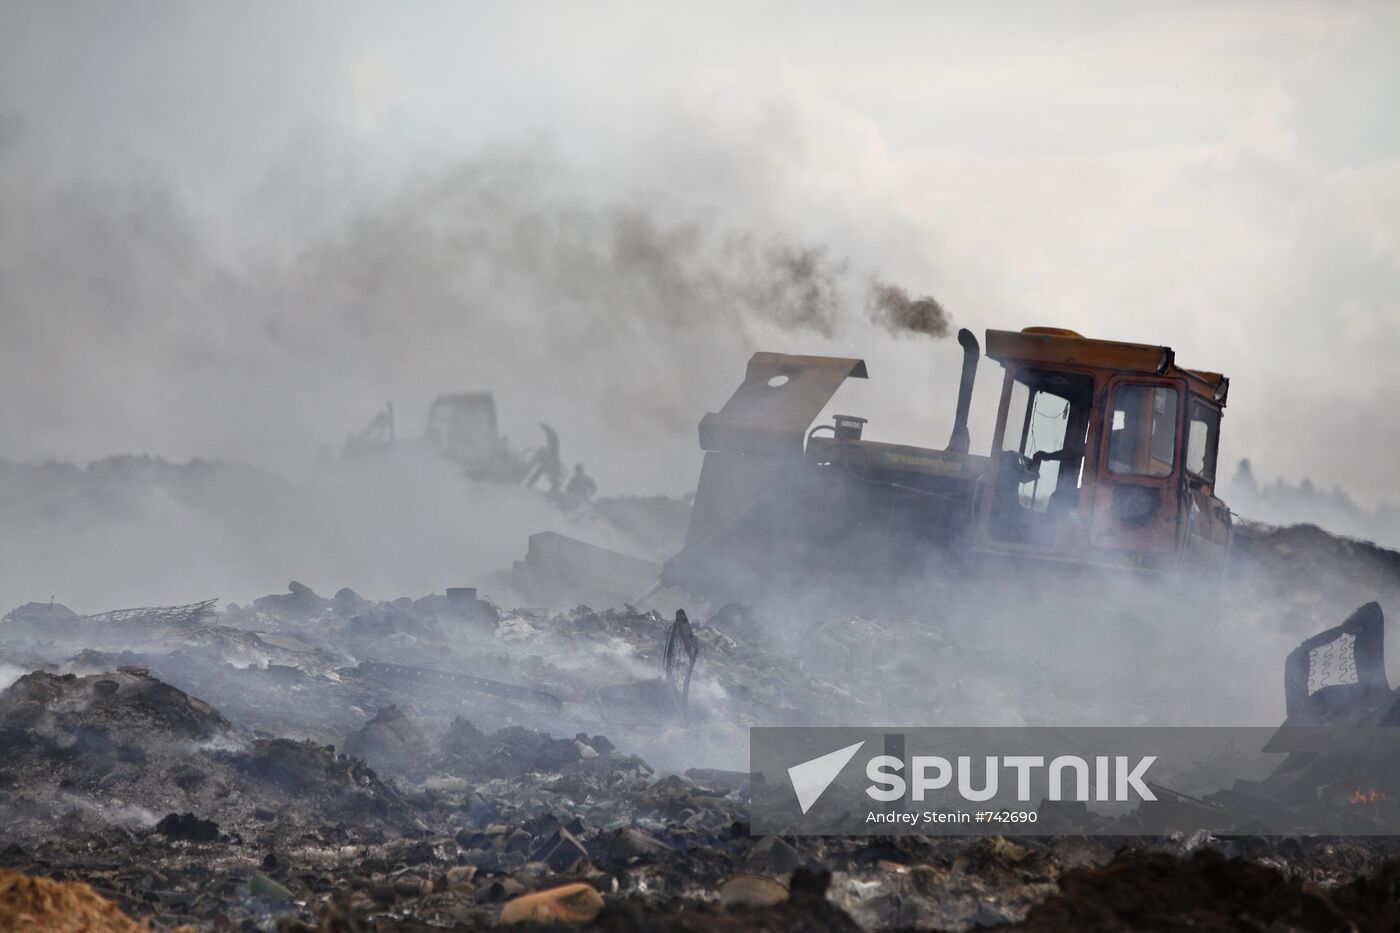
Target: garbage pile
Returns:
[306, 666]
[160, 805]
[123, 748]
[301, 665]
[163, 806]
[336, 762]
[1307, 574]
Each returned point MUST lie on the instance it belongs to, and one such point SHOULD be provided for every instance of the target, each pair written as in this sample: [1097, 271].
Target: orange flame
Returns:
[1374, 796]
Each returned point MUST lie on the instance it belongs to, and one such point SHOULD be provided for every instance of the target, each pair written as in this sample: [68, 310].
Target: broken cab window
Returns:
[1142, 430]
[1047, 420]
[1202, 441]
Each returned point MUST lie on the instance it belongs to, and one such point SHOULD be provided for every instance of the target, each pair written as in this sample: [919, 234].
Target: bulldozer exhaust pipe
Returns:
[961, 441]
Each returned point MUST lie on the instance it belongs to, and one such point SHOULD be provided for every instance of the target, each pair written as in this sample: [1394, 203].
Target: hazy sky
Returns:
[233, 230]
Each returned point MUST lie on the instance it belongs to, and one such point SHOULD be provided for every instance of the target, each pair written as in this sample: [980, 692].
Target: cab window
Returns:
[1202, 440]
[1142, 430]
[1017, 412]
[1047, 420]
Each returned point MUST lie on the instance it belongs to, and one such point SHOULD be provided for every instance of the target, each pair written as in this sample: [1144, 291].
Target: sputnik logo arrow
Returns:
[811, 778]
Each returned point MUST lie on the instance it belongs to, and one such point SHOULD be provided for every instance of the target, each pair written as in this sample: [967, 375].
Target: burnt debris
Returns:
[344, 763]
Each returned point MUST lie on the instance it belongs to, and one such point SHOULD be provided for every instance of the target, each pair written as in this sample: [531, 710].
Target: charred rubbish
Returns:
[434, 760]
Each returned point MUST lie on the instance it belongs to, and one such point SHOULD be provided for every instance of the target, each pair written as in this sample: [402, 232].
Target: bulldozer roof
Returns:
[1058, 345]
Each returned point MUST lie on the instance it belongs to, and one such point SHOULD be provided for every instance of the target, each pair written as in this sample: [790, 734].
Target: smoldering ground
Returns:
[963, 647]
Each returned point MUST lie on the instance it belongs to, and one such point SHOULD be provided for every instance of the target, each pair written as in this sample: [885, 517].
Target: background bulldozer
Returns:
[461, 427]
[1103, 454]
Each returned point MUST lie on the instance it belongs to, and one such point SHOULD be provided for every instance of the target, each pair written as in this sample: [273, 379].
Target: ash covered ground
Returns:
[447, 760]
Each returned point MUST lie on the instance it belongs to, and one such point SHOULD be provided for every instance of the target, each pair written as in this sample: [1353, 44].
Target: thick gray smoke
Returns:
[893, 309]
[138, 324]
[132, 531]
[799, 287]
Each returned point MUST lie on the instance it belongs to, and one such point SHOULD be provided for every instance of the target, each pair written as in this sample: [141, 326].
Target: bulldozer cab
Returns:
[1103, 453]
[462, 427]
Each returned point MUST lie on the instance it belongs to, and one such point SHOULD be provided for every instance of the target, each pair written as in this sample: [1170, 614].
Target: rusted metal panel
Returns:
[780, 397]
[1208, 385]
[1067, 349]
[1058, 346]
[1137, 510]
